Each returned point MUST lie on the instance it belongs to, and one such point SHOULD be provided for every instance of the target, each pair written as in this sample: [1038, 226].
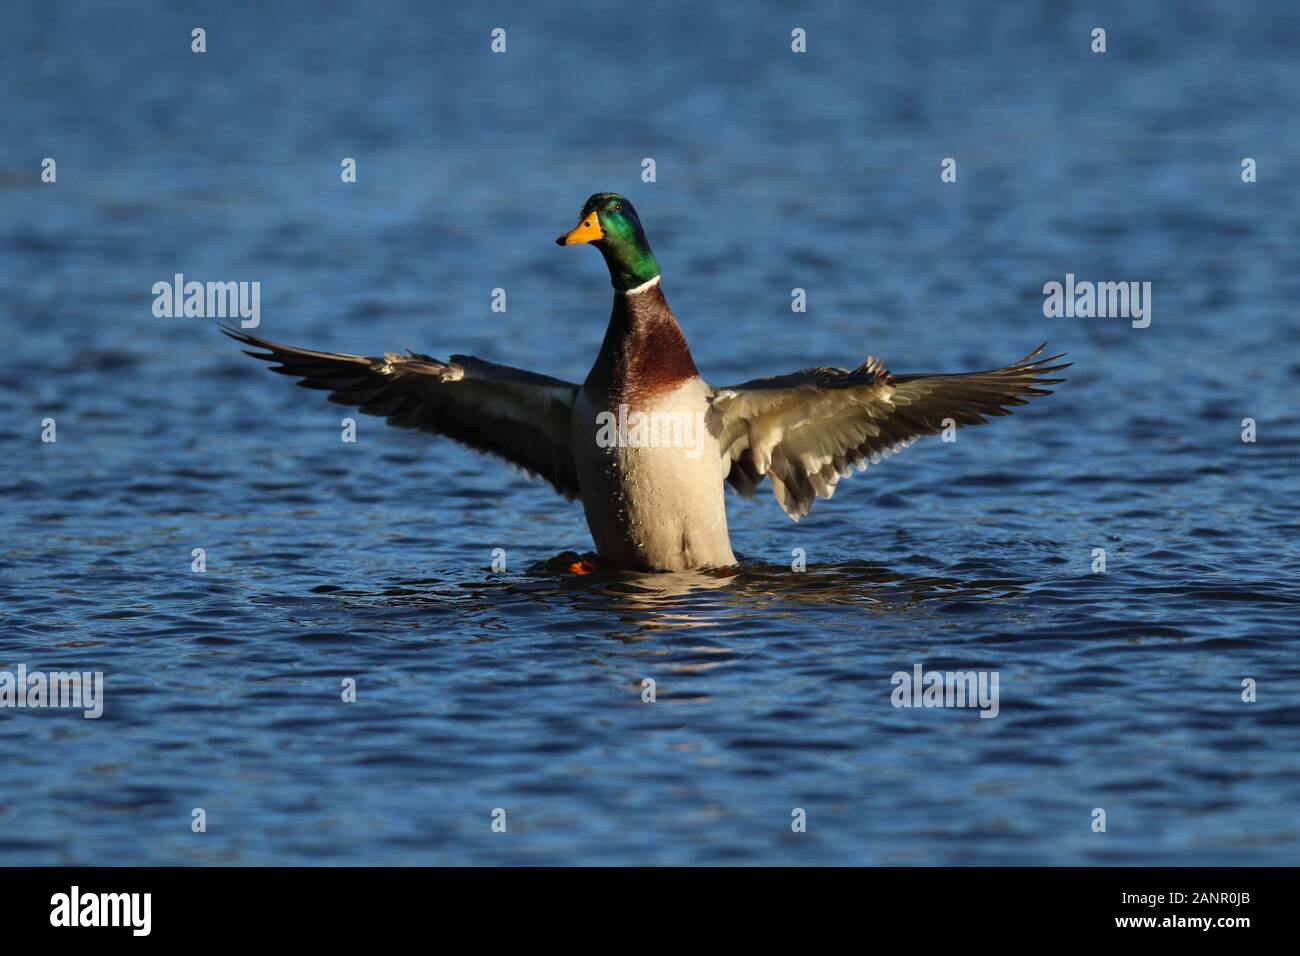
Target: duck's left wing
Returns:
[520, 416]
[806, 430]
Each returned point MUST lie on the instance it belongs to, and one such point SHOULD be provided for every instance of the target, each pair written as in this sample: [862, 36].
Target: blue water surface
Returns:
[522, 690]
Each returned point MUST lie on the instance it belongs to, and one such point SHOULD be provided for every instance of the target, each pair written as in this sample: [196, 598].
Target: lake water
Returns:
[522, 691]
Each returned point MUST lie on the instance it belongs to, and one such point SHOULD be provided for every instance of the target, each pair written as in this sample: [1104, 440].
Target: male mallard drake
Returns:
[644, 442]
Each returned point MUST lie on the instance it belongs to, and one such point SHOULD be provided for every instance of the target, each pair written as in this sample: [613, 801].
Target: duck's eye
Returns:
[618, 206]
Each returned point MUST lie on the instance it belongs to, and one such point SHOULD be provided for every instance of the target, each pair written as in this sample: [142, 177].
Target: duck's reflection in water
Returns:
[646, 603]
[636, 606]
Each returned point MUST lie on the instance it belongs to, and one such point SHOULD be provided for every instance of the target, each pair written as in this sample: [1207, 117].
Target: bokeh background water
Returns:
[522, 691]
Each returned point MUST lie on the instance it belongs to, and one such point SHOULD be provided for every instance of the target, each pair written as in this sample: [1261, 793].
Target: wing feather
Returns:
[517, 415]
[807, 430]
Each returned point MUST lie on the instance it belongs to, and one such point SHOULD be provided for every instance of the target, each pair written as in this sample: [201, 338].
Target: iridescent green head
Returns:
[609, 222]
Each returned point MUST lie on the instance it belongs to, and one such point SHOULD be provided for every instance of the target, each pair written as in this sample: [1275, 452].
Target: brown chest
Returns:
[644, 354]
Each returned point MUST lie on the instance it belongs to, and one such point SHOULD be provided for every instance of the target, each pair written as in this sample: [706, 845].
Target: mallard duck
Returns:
[644, 442]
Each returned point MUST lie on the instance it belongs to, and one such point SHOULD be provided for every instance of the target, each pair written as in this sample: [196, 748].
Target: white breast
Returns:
[651, 481]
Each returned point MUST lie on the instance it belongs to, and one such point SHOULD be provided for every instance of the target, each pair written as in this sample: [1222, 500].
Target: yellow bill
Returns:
[586, 231]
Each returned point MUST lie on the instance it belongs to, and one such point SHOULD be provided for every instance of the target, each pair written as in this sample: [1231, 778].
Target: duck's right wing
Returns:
[519, 416]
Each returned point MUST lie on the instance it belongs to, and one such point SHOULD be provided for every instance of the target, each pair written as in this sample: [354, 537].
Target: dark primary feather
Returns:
[517, 415]
[967, 396]
[806, 430]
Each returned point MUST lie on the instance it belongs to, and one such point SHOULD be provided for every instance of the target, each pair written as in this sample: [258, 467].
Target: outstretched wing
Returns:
[520, 416]
[806, 430]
